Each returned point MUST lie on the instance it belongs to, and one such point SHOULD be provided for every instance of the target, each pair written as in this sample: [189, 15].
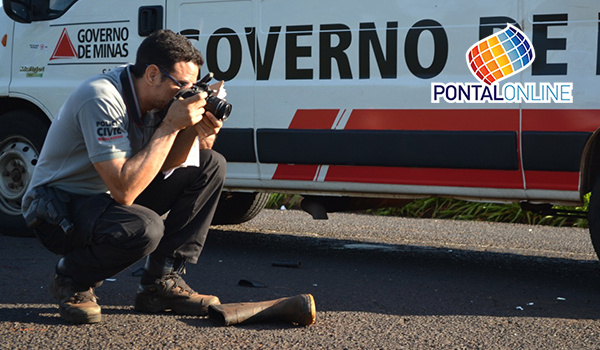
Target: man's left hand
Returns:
[207, 129]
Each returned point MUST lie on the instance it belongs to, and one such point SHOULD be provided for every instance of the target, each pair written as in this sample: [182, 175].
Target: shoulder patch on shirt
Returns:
[108, 130]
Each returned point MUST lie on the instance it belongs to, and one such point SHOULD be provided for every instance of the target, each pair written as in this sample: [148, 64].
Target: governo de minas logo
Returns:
[495, 58]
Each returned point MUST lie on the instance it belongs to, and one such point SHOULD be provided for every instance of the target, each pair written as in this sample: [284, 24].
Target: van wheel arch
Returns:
[22, 136]
[590, 164]
[590, 182]
[238, 207]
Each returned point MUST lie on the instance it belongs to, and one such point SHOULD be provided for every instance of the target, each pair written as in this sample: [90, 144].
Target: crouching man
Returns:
[109, 170]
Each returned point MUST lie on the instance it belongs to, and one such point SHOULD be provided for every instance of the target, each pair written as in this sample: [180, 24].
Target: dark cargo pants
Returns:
[119, 235]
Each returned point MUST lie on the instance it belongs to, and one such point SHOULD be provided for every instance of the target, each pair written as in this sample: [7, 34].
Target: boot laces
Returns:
[178, 283]
[83, 297]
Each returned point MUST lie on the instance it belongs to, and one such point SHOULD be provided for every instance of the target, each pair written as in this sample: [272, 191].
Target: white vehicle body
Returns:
[334, 97]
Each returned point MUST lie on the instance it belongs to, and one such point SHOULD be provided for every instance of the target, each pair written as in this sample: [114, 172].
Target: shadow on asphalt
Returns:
[342, 275]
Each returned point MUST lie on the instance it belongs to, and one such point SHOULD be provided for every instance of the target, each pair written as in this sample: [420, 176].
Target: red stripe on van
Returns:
[579, 120]
[433, 119]
[313, 119]
[552, 180]
[296, 172]
[427, 176]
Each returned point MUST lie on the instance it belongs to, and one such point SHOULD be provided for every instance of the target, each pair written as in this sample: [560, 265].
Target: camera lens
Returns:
[218, 107]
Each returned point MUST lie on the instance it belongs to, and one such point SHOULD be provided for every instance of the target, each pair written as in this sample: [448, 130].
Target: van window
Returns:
[60, 5]
[36, 10]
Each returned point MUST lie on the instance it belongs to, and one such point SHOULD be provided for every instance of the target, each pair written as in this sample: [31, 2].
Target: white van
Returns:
[348, 103]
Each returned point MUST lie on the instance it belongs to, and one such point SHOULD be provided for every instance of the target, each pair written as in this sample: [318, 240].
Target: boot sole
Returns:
[79, 319]
[312, 316]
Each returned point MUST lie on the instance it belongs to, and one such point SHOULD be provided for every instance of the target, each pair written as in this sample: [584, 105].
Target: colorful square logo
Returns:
[500, 55]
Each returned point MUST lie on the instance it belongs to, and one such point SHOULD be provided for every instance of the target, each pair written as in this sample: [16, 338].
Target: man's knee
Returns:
[152, 229]
[214, 162]
[134, 228]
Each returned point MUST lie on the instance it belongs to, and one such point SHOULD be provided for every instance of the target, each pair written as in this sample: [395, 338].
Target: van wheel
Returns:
[594, 216]
[21, 138]
[238, 207]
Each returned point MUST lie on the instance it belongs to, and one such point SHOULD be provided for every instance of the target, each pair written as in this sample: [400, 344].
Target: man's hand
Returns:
[186, 112]
[207, 129]
[208, 126]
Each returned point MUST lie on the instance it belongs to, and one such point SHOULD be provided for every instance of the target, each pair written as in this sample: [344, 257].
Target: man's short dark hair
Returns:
[165, 48]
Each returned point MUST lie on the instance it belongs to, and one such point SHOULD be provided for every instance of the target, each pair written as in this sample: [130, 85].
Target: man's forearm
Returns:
[181, 148]
[183, 145]
[127, 178]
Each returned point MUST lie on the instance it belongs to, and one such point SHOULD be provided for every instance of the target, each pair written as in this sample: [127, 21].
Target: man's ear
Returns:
[152, 75]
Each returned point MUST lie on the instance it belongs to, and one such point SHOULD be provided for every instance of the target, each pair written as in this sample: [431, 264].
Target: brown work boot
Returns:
[299, 309]
[75, 304]
[172, 293]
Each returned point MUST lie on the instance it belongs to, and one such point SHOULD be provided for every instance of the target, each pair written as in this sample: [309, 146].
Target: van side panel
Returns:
[342, 98]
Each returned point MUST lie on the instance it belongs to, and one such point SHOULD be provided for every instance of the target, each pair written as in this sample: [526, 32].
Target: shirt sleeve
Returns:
[104, 131]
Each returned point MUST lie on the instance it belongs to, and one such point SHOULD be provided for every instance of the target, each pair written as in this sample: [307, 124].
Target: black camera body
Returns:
[218, 107]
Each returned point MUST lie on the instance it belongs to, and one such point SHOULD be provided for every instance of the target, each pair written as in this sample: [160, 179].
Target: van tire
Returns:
[238, 207]
[594, 216]
[21, 138]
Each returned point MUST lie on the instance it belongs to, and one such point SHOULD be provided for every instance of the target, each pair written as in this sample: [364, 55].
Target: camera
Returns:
[218, 107]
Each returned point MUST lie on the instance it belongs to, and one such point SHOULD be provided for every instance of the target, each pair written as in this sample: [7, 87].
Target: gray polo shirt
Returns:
[92, 126]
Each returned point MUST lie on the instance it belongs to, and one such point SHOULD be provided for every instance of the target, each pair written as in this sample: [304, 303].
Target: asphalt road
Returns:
[378, 282]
